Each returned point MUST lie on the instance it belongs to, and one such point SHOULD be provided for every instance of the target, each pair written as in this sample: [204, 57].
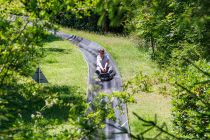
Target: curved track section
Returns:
[90, 51]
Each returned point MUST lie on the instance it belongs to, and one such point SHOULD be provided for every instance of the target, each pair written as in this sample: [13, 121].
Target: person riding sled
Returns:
[103, 64]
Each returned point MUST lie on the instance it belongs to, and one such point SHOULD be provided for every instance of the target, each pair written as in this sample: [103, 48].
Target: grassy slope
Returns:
[130, 60]
[64, 67]
[64, 64]
[149, 105]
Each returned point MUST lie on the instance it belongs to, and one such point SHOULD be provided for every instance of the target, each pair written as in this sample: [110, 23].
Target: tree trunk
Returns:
[106, 24]
[153, 47]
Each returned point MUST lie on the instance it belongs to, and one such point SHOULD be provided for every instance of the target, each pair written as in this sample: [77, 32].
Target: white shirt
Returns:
[102, 62]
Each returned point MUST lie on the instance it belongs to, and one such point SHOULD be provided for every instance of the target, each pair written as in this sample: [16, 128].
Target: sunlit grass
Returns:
[64, 64]
[147, 106]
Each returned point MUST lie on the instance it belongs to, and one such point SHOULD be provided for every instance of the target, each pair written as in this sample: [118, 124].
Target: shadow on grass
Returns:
[20, 101]
[70, 105]
[50, 38]
[58, 50]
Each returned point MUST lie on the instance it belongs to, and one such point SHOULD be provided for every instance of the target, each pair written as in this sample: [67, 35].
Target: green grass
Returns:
[147, 106]
[130, 60]
[64, 64]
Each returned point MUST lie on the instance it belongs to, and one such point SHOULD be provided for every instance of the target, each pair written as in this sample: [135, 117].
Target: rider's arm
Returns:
[99, 63]
[107, 63]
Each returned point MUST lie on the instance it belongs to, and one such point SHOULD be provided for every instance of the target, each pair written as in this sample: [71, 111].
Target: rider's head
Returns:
[101, 52]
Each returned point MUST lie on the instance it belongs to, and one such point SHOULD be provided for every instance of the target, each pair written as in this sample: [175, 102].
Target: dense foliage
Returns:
[98, 15]
[18, 40]
[178, 33]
